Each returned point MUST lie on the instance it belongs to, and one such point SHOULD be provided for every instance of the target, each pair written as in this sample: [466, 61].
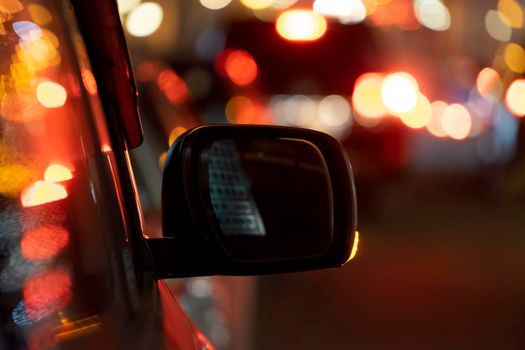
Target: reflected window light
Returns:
[346, 11]
[301, 25]
[515, 98]
[145, 19]
[512, 12]
[41, 192]
[162, 159]
[419, 116]
[435, 125]
[44, 242]
[105, 148]
[433, 14]
[498, 26]
[27, 30]
[50, 94]
[399, 92]
[47, 292]
[456, 121]
[334, 110]
[514, 57]
[57, 173]
[257, 4]
[353, 253]
[215, 4]
[488, 84]
[89, 81]
[240, 67]
[39, 14]
[125, 6]
[366, 98]
[19, 315]
[175, 133]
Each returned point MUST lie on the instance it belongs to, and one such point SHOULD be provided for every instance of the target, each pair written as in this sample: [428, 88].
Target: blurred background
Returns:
[426, 96]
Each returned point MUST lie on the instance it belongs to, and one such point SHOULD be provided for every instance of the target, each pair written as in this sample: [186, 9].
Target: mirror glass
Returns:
[271, 198]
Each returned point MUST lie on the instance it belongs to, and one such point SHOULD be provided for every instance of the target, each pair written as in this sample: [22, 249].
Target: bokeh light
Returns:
[215, 4]
[366, 98]
[89, 81]
[39, 14]
[433, 14]
[257, 4]
[57, 173]
[50, 94]
[47, 292]
[283, 4]
[346, 11]
[240, 67]
[41, 192]
[240, 110]
[514, 57]
[435, 124]
[334, 110]
[512, 12]
[145, 19]
[175, 133]
[173, 86]
[498, 26]
[399, 92]
[456, 121]
[27, 30]
[125, 6]
[515, 98]
[301, 25]
[488, 84]
[419, 116]
[43, 242]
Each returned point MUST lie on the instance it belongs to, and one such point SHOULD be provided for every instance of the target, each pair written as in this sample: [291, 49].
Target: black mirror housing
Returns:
[247, 200]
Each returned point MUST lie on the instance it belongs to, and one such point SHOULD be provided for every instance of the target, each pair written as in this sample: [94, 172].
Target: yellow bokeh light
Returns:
[498, 26]
[514, 57]
[39, 14]
[50, 94]
[346, 11]
[175, 133]
[215, 4]
[57, 173]
[399, 92]
[41, 192]
[10, 7]
[435, 125]
[366, 98]
[419, 116]
[512, 12]
[14, 177]
[489, 84]
[456, 121]
[145, 19]
[301, 25]
[515, 98]
[257, 4]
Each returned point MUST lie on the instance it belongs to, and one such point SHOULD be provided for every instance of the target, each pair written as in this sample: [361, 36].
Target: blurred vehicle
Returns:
[77, 268]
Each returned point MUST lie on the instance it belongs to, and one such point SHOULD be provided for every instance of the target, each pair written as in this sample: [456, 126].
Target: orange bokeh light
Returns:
[41, 192]
[301, 25]
[44, 242]
[456, 121]
[489, 83]
[50, 94]
[515, 98]
[240, 67]
[57, 173]
[240, 110]
[89, 81]
[47, 292]
[419, 116]
[173, 86]
[366, 97]
[434, 126]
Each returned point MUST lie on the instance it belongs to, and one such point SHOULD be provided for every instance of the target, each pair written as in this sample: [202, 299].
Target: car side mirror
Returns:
[245, 200]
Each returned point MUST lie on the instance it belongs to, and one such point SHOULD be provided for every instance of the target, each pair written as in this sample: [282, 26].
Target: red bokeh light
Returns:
[240, 67]
[44, 242]
[47, 292]
[172, 86]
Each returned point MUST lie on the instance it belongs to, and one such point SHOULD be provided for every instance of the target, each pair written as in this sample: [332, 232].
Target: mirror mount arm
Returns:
[172, 259]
